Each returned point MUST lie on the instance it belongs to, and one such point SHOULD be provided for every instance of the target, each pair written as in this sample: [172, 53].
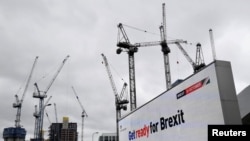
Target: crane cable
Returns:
[142, 30]
[121, 78]
[116, 72]
[145, 31]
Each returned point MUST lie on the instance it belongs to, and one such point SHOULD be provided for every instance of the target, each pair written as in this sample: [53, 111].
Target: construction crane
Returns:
[84, 114]
[120, 101]
[126, 46]
[37, 115]
[164, 48]
[121, 104]
[55, 112]
[18, 103]
[41, 95]
[199, 59]
[57, 137]
[187, 56]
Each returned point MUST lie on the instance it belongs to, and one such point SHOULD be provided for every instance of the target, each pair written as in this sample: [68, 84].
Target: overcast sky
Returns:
[83, 29]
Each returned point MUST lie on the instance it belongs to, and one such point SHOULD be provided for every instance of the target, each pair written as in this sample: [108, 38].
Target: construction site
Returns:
[180, 113]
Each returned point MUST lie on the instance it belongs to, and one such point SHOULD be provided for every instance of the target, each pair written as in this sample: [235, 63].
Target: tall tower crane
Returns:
[131, 50]
[119, 101]
[83, 111]
[125, 45]
[164, 48]
[19, 103]
[41, 95]
[37, 115]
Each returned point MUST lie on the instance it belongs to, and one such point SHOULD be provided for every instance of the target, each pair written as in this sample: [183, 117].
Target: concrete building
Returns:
[55, 131]
[107, 137]
[69, 134]
[65, 131]
[14, 134]
[244, 105]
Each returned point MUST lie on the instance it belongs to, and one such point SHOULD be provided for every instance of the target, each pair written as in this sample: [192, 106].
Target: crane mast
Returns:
[165, 49]
[41, 95]
[131, 49]
[120, 103]
[37, 115]
[55, 112]
[19, 103]
[126, 46]
[83, 111]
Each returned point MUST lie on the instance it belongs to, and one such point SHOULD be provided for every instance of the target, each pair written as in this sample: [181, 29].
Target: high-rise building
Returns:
[55, 131]
[107, 137]
[70, 133]
[66, 131]
[14, 134]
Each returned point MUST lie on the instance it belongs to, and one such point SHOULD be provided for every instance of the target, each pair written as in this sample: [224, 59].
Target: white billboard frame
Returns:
[184, 112]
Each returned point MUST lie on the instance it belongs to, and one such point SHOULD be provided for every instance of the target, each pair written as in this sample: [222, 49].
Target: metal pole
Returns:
[93, 135]
[117, 118]
[212, 43]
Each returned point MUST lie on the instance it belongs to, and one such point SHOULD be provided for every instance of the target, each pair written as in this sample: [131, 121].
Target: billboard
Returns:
[184, 112]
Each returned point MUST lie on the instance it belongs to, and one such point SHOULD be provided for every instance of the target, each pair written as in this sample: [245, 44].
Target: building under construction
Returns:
[14, 134]
[18, 133]
[66, 131]
[107, 137]
[206, 97]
